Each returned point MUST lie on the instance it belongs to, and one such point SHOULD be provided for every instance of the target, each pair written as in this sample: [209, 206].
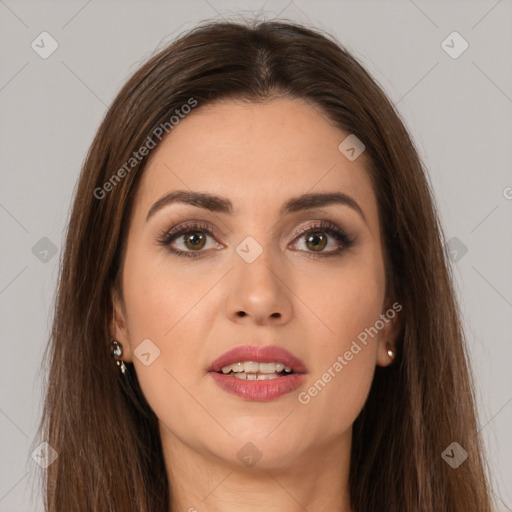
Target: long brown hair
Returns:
[106, 435]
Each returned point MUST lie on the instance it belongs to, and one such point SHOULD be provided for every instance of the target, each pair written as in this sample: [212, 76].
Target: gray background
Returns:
[457, 110]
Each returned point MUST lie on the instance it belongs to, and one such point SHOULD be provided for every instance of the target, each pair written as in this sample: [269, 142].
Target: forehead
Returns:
[253, 152]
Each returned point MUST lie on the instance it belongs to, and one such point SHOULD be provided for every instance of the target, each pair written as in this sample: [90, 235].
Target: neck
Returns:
[315, 479]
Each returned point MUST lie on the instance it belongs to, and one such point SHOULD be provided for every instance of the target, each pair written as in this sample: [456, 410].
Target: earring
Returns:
[116, 351]
[391, 353]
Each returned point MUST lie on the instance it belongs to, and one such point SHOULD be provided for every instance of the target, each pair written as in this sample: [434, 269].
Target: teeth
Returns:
[253, 376]
[251, 367]
[237, 367]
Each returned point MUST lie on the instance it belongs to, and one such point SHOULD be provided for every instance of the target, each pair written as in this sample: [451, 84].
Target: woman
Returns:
[254, 242]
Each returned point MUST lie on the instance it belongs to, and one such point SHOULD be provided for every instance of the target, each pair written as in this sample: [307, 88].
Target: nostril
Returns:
[241, 313]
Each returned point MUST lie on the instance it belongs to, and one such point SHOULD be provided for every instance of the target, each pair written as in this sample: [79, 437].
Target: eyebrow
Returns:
[219, 204]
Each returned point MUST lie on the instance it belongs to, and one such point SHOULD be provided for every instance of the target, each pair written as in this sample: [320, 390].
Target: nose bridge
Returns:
[258, 288]
[256, 268]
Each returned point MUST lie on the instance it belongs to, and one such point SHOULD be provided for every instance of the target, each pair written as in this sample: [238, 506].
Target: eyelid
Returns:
[191, 225]
[316, 224]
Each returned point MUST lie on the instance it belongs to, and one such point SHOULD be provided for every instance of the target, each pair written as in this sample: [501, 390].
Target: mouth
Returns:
[251, 359]
[252, 370]
[258, 373]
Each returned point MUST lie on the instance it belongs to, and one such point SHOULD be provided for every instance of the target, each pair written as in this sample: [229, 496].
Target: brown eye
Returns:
[323, 240]
[316, 241]
[194, 240]
[191, 240]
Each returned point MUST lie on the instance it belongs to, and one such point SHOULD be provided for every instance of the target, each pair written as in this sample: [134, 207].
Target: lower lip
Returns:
[258, 390]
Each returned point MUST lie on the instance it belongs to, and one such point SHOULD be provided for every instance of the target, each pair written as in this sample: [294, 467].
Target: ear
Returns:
[119, 326]
[388, 335]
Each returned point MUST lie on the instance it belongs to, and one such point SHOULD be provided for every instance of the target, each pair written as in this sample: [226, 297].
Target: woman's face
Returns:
[262, 261]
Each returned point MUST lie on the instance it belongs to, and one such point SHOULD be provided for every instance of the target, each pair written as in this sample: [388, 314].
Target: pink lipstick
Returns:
[258, 373]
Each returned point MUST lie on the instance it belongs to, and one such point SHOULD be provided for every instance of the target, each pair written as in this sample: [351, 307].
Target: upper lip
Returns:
[258, 354]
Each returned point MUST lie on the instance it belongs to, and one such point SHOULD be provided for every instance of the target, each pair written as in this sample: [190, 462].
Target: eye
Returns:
[322, 239]
[189, 240]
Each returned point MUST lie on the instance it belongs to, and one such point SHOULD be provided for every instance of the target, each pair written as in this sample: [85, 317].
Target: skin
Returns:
[258, 156]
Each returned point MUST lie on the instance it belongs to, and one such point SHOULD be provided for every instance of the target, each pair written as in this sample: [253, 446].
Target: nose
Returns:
[259, 292]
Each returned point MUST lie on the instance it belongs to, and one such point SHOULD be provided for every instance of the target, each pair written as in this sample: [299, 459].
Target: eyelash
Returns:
[167, 236]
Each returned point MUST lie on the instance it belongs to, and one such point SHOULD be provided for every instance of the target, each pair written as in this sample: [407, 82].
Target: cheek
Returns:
[345, 300]
[159, 298]
[165, 307]
[335, 396]
[349, 304]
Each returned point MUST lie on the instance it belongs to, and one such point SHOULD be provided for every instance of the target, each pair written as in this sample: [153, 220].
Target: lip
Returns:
[258, 390]
[261, 354]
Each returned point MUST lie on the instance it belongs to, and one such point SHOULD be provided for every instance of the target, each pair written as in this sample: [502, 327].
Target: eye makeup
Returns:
[202, 230]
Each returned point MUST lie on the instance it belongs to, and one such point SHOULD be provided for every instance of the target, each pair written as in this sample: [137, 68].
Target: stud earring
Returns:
[391, 353]
[116, 351]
